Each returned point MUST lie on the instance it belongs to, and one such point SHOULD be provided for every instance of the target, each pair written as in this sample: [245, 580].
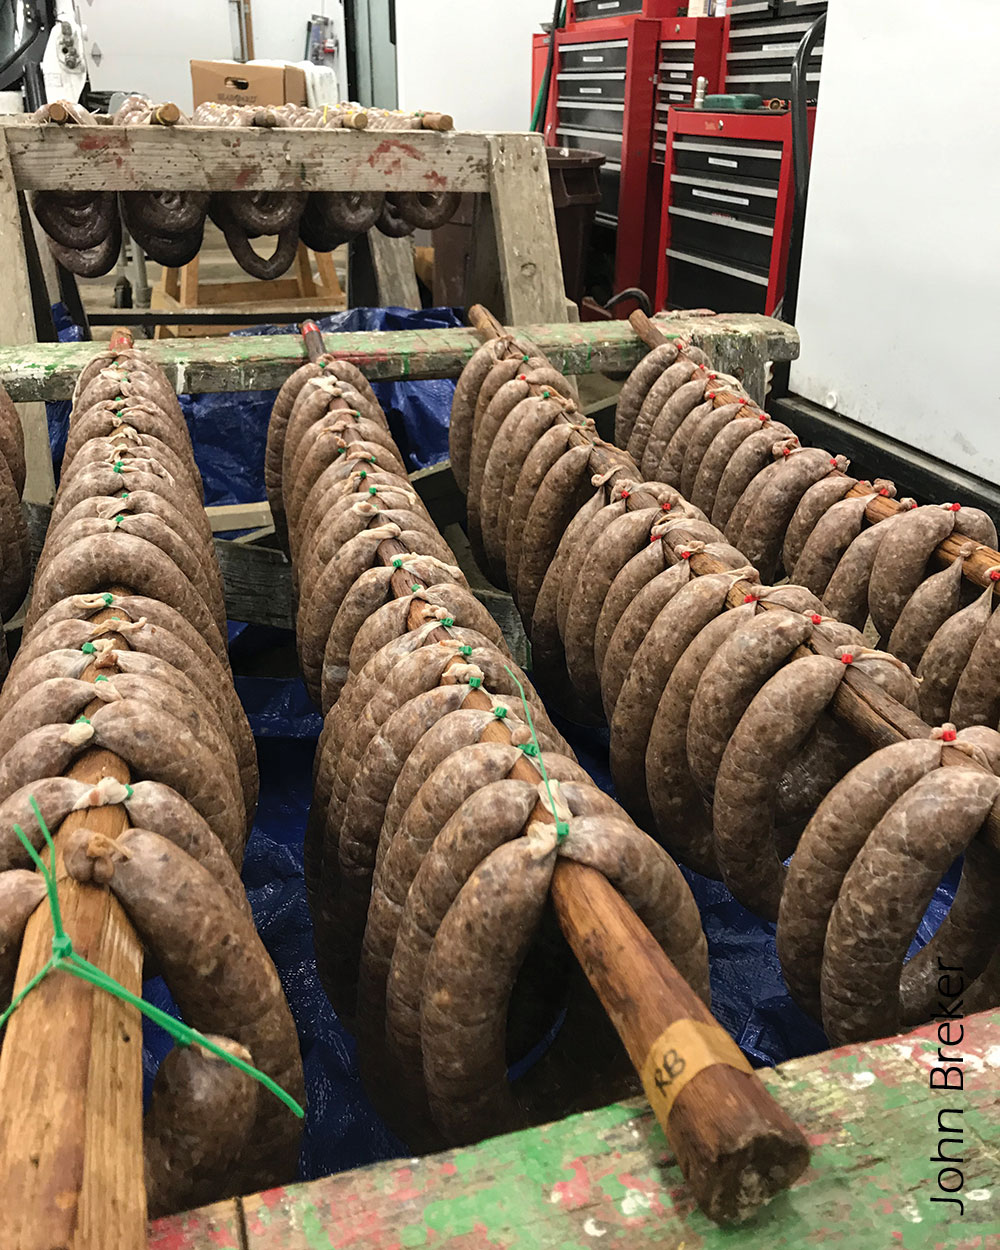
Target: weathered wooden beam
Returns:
[192, 158]
[263, 362]
[607, 1178]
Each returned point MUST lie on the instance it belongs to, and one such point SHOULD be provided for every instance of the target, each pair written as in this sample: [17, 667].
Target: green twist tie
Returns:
[65, 959]
[363, 474]
[448, 621]
[372, 460]
[525, 359]
[475, 682]
[88, 648]
[341, 451]
[119, 518]
[546, 394]
[533, 749]
[466, 650]
[82, 720]
[397, 562]
[109, 600]
[129, 792]
[415, 587]
[372, 490]
[97, 679]
[499, 712]
[124, 494]
[118, 466]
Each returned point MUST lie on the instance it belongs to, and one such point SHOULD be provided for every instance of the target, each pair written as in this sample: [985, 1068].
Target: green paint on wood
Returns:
[49, 370]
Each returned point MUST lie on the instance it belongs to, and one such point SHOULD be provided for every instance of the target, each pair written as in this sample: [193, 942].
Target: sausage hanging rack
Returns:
[861, 704]
[724, 1127]
[71, 1160]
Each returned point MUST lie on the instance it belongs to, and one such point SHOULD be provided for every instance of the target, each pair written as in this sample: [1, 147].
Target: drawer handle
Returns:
[722, 199]
[610, 4]
[717, 160]
[590, 90]
[597, 60]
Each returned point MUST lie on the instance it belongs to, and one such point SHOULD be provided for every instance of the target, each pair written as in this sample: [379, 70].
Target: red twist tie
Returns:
[749, 598]
[666, 506]
[786, 451]
[816, 619]
[948, 735]
[626, 493]
[954, 507]
[847, 659]
[833, 461]
[883, 491]
[712, 396]
[654, 538]
[762, 417]
[685, 555]
[995, 575]
[522, 377]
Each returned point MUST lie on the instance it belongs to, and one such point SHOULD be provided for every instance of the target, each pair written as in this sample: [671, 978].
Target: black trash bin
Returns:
[576, 192]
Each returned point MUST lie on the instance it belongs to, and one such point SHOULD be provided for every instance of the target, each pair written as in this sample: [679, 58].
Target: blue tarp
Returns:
[342, 1129]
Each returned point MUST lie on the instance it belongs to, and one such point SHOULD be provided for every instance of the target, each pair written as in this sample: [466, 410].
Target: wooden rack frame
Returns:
[515, 263]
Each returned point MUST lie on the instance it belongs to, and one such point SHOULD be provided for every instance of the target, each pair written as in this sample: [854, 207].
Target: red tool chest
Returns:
[614, 78]
[728, 193]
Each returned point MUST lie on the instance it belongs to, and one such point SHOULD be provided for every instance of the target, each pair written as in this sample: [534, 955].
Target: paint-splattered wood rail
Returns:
[607, 1179]
[262, 362]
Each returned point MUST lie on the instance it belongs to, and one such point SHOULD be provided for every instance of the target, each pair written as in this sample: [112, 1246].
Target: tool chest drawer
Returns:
[586, 10]
[699, 282]
[673, 50]
[749, 10]
[609, 146]
[594, 57]
[800, 8]
[722, 238]
[599, 88]
[606, 118]
[743, 159]
[711, 193]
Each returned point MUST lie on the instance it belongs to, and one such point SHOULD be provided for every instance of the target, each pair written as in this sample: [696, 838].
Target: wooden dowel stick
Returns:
[71, 1164]
[437, 121]
[735, 1145]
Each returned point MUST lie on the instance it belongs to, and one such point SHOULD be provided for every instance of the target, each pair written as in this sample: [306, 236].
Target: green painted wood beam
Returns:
[262, 362]
[607, 1178]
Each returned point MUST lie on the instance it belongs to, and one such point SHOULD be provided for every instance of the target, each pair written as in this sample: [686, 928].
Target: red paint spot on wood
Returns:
[576, 1192]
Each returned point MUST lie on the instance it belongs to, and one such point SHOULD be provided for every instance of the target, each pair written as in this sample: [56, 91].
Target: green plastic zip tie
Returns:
[109, 600]
[448, 621]
[101, 678]
[465, 650]
[65, 959]
[82, 720]
[118, 466]
[372, 490]
[535, 751]
[475, 682]
[88, 648]
[499, 712]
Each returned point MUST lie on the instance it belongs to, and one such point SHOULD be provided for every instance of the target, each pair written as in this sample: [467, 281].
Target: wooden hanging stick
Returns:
[71, 1161]
[736, 1146]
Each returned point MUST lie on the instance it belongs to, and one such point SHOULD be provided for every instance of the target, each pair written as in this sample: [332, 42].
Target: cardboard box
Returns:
[231, 82]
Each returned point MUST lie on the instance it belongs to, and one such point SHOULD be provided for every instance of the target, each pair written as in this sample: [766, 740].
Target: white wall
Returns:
[901, 267]
[148, 47]
[470, 58]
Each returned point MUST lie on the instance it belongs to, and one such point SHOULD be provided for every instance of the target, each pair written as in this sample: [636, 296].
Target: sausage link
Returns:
[731, 681]
[828, 847]
[215, 965]
[637, 386]
[947, 655]
[765, 741]
[894, 877]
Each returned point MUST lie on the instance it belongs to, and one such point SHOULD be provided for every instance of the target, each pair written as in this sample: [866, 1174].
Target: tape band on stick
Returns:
[682, 1050]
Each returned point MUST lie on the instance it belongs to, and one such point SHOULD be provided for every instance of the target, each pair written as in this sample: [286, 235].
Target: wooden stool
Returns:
[296, 293]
